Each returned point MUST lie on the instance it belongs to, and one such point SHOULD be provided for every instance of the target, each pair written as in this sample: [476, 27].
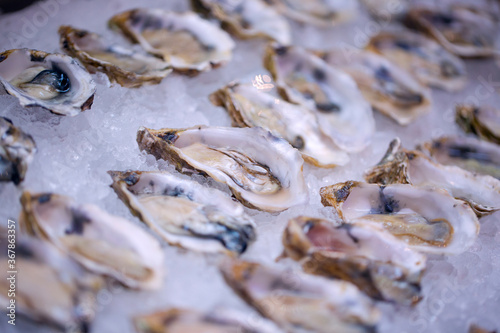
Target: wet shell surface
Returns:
[124, 66]
[248, 106]
[362, 253]
[101, 242]
[53, 81]
[184, 212]
[184, 40]
[482, 121]
[262, 170]
[428, 219]
[305, 79]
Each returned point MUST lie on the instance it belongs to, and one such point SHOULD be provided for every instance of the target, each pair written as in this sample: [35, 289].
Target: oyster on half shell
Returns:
[482, 121]
[184, 212]
[53, 81]
[262, 170]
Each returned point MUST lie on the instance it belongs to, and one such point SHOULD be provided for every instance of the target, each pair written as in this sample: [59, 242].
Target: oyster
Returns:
[16, 152]
[184, 212]
[124, 66]
[53, 81]
[248, 106]
[362, 253]
[101, 242]
[385, 10]
[262, 171]
[468, 153]
[431, 64]
[389, 88]
[299, 302]
[482, 121]
[428, 219]
[184, 40]
[464, 31]
[413, 167]
[305, 79]
[247, 18]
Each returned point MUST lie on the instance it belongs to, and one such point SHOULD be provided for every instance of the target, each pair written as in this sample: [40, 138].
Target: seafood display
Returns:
[482, 121]
[53, 81]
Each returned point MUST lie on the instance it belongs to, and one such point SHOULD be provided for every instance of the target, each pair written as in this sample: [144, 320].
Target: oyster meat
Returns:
[124, 66]
[53, 81]
[247, 18]
[431, 64]
[482, 121]
[363, 253]
[101, 242]
[303, 78]
[249, 107]
[184, 212]
[16, 152]
[389, 88]
[184, 40]
[428, 219]
[401, 166]
[262, 170]
[299, 302]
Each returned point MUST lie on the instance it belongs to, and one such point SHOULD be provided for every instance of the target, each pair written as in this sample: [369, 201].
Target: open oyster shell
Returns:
[123, 66]
[101, 242]
[262, 171]
[16, 152]
[247, 18]
[249, 107]
[389, 88]
[184, 40]
[303, 78]
[362, 253]
[482, 121]
[428, 219]
[431, 64]
[401, 166]
[184, 212]
[298, 302]
[53, 81]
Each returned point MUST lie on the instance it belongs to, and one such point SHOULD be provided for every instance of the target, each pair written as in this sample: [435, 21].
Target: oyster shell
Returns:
[297, 301]
[464, 31]
[184, 212]
[388, 88]
[482, 121]
[53, 81]
[123, 66]
[248, 106]
[428, 219]
[401, 166]
[467, 153]
[247, 18]
[362, 253]
[305, 79]
[262, 171]
[16, 152]
[184, 40]
[101, 242]
[431, 64]
[386, 10]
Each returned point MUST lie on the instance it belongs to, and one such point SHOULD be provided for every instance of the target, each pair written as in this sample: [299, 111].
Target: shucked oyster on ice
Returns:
[303, 78]
[101, 242]
[184, 212]
[299, 302]
[249, 107]
[427, 60]
[124, 66]
[16, 152]
[401, 166]
[184, 40]
[362, 253]
[53, 81]
[428, 219]
[262, 171]
[389, 88]
[247, 18]
[482, 121]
